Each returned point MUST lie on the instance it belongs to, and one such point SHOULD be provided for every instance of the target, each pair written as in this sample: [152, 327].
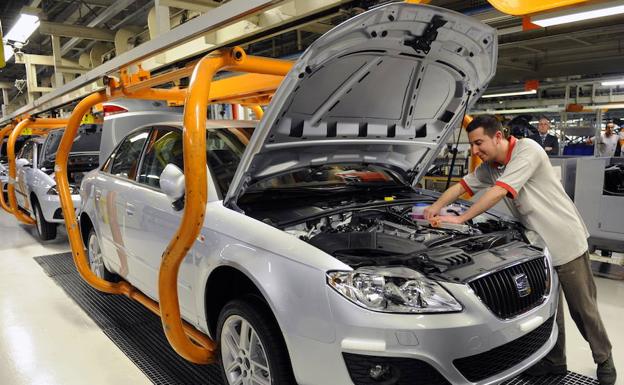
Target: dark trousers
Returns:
[577, 282]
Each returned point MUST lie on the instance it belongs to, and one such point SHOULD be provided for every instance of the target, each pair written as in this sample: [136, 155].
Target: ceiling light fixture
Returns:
[516, 93]
[21, 31]
[571, 15]
[613, 82]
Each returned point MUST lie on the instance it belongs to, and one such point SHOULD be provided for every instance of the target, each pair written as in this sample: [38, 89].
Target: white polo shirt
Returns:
[536, 197]
[606, 145]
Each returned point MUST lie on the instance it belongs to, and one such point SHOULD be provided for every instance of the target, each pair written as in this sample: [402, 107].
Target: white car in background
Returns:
[313, 266]
[35, 186]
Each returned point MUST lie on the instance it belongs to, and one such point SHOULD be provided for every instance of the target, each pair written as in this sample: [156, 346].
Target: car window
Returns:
[164, 147]
[224, 152]
[124, 161]
[26, 152]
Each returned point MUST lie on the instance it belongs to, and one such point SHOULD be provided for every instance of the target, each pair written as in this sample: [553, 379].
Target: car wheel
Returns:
[251, 346]
[45, 229]
[96, 259]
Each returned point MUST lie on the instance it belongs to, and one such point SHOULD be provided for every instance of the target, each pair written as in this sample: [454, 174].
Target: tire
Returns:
[266, 357]
[95, 259]
[45, 229]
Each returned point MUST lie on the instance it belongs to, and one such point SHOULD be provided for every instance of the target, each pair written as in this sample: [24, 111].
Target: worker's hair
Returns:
[490, 125]
[543, 117]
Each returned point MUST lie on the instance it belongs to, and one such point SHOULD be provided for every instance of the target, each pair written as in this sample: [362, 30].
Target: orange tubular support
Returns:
[526, 7]
[3, 133]
[196, 186]
[258, 111]
[69, 213]
[41, 123]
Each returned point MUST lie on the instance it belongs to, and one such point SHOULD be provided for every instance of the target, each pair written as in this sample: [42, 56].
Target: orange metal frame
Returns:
[3, 133]
[526, 7]
[199, 348]
[40, 126]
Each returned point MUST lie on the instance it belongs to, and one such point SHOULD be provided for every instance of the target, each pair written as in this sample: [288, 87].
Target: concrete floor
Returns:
[45, 338]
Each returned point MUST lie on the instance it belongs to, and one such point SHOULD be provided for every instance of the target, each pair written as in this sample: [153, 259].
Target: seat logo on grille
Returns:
[522, 284]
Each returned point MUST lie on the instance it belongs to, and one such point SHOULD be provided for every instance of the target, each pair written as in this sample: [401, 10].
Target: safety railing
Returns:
[199, 348]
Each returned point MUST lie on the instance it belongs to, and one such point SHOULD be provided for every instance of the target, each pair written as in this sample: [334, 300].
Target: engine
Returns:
[394, 235]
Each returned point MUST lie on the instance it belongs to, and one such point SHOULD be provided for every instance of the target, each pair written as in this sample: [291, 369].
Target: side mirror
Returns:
[172, 182]
[21, 162]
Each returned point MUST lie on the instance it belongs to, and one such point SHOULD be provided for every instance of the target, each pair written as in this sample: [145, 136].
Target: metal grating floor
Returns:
[138, 333]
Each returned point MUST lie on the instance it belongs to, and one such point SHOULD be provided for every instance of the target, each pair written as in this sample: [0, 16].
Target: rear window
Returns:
[84, 142]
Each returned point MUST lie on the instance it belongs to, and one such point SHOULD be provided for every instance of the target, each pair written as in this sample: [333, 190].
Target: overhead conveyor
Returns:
[184, 338]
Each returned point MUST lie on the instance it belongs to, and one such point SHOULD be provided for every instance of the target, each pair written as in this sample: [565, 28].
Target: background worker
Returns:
[518, 170]
[607, 142]
[549, 142]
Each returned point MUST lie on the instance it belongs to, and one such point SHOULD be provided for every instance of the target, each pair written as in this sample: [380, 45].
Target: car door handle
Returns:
[129, 209]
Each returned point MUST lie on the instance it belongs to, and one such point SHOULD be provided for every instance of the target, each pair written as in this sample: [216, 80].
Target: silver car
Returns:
[35, 186]
[314, 265]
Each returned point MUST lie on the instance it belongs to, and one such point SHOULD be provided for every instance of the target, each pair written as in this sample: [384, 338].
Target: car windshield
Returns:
[332, 176]
[84, 142]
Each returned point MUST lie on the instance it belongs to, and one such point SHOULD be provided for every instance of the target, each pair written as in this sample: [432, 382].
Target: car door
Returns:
[114, 184]
[24, 174]
[156, 218]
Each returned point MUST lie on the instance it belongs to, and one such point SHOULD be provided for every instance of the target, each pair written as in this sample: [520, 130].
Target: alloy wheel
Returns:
[96, 262]
[244, 358]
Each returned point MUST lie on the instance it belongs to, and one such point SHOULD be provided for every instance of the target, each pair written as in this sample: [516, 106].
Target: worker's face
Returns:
[609, 129]
[486, 147]
[543, 126]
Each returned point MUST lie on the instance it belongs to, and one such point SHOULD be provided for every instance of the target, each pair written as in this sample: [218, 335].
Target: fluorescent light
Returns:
[613, 82]
[25, 26]
[21, 31]
[581, 13]
[530, 92]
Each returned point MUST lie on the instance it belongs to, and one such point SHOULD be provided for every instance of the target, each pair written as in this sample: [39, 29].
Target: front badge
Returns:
[522, 285]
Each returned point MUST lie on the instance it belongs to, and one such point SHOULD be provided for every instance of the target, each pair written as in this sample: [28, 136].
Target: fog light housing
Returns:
[384, 374]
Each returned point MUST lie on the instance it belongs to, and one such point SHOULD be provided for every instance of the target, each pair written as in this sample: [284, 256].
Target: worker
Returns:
[518, 171]
[549, 142]
[607, 142]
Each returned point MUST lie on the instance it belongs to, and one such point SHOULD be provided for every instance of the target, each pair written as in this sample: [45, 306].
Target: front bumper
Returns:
[51, 207]
[434, 340]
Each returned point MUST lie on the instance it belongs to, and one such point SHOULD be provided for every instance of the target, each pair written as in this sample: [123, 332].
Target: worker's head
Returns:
[486, 137]
[609, 129]
[543, 126]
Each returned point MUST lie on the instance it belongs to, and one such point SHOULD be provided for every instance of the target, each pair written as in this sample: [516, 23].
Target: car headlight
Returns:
[73, 190]
[393, 290]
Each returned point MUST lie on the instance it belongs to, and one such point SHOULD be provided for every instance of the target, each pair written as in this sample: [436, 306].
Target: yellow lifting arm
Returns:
[3, 133]
[196, 184]
[527, 7]
[199, 349]
[42, 124]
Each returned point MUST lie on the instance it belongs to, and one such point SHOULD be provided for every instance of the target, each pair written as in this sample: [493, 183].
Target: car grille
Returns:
[398, 371]
[501, 295]
[486, 364]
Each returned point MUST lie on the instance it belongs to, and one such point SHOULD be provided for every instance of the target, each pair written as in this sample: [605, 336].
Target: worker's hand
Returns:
[431, 211]
[456, 219]
[548, 148]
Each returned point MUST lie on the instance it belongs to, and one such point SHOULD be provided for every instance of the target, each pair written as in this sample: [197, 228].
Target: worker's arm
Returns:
[448, 197]
[491, 197]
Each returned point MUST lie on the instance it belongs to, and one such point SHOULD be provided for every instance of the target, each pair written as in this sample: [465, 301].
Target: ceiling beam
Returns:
[103, 17]
[192, 5]
[68, 30]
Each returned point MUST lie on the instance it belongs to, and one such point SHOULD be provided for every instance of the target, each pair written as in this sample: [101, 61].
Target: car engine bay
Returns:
[392, 235]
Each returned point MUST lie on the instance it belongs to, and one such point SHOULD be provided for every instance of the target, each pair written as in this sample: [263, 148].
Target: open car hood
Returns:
[386, 87]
